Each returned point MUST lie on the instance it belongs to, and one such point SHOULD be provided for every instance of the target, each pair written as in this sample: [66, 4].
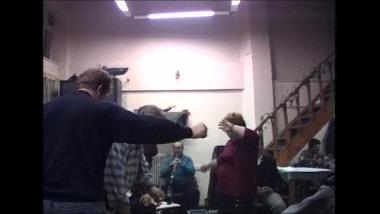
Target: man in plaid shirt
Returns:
[126, 165]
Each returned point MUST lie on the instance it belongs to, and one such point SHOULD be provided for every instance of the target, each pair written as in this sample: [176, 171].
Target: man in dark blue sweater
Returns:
[78, 132]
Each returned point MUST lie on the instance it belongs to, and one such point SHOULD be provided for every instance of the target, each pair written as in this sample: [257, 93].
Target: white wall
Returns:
[211, 66]
[59, 43]
[207, 52]
[302, 33]
[248, 94]
[204, 51]
[50, 69]
[261, 61]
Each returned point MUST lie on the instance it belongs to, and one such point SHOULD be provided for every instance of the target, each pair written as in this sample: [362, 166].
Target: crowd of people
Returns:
[97, 158]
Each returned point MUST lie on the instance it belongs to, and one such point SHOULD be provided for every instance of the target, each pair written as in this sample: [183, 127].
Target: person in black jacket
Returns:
[78, 131]
[269, 182]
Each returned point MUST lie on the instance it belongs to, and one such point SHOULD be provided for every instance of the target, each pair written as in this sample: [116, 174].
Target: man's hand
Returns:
[156, 193]
[204, 167]
[147, 200]
[225, 126]
[233, 131]
[264, 191]
[199, 131]
[176, 162]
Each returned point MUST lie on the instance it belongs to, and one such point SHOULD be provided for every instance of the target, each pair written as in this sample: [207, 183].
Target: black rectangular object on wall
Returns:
[67, 87]
[115, 91]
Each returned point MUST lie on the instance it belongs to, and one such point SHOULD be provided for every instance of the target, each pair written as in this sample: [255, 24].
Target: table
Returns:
[292, 174]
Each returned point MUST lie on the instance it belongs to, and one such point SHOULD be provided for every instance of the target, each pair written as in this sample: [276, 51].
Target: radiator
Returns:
[157, 163]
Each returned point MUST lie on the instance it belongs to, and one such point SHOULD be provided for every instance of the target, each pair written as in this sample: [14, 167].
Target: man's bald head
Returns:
[177, 149]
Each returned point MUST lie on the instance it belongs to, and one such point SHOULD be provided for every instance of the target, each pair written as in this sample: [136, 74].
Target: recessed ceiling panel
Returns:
[142, 8]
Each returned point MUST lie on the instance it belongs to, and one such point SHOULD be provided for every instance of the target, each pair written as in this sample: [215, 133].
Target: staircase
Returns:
[301, 116]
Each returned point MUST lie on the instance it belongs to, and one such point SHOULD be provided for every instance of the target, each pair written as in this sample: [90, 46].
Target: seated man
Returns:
[178, 172]
[269, 182]
[311, 157]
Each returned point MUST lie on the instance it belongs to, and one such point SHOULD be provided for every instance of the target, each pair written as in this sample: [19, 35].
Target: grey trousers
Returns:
[324, 193]
[275, 202]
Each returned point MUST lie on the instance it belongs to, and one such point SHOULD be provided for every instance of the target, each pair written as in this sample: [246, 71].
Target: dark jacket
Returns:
[78, 133]
[268, 175]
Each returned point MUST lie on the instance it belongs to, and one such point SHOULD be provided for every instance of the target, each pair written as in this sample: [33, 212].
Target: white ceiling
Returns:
[90, 9]
[141, 8]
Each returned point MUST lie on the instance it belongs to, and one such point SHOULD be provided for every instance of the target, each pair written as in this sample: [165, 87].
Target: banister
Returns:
[296, 90]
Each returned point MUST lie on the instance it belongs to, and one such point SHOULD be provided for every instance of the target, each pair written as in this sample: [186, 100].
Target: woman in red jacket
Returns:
[236, 167]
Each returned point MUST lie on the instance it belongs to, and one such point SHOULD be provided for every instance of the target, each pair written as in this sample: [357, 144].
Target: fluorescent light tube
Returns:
[190, 14]
[235, 2]
[122, 5]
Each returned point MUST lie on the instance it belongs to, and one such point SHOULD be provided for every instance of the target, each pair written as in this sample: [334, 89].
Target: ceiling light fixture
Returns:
[189, 14]
[122, 5]
[235, 5]
[235, 2]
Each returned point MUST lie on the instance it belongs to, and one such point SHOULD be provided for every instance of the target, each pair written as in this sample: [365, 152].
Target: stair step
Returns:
[328, 87]
[305, 119]
[327, 98]
[293, 131]
[327, 91]
[295, 126]
[281, 142]
[272, 148]
[316, 108]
